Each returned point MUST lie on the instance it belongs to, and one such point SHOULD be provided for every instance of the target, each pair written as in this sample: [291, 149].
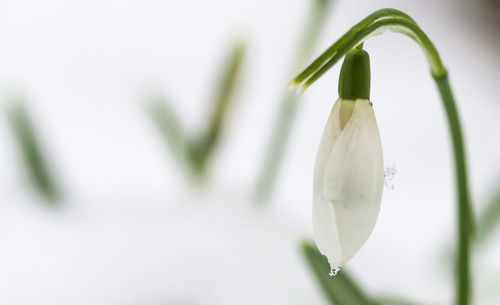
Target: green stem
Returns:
[332, 50]
[464, 214]
[396, 24]
[408, 27]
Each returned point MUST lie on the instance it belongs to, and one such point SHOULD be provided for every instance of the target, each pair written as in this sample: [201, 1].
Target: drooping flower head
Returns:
[349, 172]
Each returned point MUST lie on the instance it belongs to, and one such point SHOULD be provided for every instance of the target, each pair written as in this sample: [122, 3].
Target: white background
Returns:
[133, 231]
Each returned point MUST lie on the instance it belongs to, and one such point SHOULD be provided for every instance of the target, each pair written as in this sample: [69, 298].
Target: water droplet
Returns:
[389, 174]
[334, 270]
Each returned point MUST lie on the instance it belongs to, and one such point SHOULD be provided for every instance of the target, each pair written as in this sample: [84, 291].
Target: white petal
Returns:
[324, 225]
[348, 183]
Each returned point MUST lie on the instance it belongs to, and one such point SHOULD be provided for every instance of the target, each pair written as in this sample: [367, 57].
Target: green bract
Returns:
[354, 81]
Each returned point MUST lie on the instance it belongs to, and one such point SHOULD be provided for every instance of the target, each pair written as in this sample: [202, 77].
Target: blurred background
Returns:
[151, 154]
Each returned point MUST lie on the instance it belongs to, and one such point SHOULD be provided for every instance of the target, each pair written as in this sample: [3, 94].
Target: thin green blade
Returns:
[195, 152]
[489, 219]
[167, 123]
[201, 148]
[30, 148]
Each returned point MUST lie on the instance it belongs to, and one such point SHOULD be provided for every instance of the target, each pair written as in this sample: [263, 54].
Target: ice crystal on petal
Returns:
[389, 174]
[334, 271]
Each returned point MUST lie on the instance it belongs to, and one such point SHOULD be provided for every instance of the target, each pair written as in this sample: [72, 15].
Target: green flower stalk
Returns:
[397, 21]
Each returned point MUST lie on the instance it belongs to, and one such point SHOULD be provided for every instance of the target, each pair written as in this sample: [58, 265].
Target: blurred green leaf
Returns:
[196, 152]
[202, 147]
[312, 29]
[394, 301]
[489, 218]
[30, 148]
[340, 289]
[167, 123]
[485, 227]
[289, 101]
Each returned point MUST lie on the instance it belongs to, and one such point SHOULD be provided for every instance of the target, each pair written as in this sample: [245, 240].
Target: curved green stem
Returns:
[465, 213]
[318, 62]
[377, 23]
[396, 24]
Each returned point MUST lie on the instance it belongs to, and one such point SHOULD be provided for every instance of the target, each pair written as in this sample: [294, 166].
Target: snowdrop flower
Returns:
[349, 172]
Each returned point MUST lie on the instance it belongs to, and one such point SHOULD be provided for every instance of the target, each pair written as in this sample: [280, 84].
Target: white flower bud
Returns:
[348, 180]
